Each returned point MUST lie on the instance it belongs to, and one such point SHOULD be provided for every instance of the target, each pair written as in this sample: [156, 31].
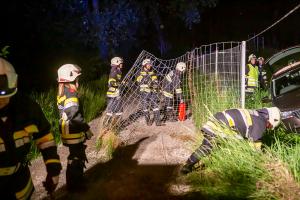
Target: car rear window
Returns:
[288, 82]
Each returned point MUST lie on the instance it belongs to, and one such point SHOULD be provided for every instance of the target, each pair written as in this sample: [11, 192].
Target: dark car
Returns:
[285, 92]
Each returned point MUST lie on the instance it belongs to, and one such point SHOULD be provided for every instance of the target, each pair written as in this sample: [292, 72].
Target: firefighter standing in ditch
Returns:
[172, 82]
[148, 86]
[22, 121]
[74, 130]
[114, 106]
[252, 75]
[246, 124]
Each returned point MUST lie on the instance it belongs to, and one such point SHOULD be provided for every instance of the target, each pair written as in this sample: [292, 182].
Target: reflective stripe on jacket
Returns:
[252, 77]
[114, 82]
[171, 84]
[71, 125]
[249, 124]
[22, 122]
[145, 80]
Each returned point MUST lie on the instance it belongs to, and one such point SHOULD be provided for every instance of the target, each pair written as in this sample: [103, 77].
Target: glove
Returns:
[51, 183]
[89, 134]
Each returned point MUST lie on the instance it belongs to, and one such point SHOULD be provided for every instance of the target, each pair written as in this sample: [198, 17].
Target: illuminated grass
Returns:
[235, 170]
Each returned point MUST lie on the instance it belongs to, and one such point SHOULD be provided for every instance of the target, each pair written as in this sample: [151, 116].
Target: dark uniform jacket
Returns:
[146, 80]
[21, 123]
[248, 124]
[71, 125]
[170, 83]
[114, 81]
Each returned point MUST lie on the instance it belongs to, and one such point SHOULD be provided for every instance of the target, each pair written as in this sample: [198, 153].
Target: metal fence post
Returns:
[243, 65]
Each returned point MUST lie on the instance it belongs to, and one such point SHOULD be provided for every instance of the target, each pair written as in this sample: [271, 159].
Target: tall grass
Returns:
[210, 93]
[235, 170]
[92, 97]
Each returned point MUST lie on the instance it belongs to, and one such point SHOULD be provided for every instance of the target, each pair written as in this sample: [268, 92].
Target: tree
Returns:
[114, 25]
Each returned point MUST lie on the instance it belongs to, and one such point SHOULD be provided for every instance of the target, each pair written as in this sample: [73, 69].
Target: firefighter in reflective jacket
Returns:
[252, 75]
[74, 130]
[113, 94]
[146, 80]
[22, 121]
[246, 124]
[170, 83]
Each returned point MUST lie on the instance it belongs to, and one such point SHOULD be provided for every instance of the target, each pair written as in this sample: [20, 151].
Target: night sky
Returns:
[41, 40]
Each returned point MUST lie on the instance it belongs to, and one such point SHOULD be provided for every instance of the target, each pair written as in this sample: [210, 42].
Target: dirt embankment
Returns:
[144, 167]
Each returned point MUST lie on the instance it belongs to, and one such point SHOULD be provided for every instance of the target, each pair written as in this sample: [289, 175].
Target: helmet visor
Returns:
[4, 89]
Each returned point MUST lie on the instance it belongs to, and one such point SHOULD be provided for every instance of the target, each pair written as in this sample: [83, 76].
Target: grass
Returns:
[92, 99]
[210, 93]
[235, 170]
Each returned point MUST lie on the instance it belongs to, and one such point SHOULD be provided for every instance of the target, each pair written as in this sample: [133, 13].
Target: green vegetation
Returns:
[235, 170]
[4, 52]
[209, 93]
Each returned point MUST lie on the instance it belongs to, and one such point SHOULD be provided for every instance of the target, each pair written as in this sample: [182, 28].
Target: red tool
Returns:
[181, 111]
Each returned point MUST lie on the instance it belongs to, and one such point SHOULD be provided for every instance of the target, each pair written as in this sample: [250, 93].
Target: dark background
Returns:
[43, 35]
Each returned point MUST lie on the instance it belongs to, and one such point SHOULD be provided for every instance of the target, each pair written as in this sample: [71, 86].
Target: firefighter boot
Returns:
[187, 168]
[76, 164]
[171, 116]
[74, 175]
[157, 119]
[148, 119]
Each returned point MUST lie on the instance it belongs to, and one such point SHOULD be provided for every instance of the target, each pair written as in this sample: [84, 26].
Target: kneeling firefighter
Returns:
[22, 122]
[74, 130]
[172, 82]
[247, 124]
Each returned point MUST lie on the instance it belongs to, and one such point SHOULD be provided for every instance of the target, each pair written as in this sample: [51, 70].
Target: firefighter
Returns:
[22, 122]
[146, 80]
[252, 74]
[114, 106]
[246, 124]
[172, 82]
[74, 130]
[262, 77]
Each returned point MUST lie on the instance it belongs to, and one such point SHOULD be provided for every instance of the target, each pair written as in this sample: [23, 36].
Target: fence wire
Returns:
[211, 81]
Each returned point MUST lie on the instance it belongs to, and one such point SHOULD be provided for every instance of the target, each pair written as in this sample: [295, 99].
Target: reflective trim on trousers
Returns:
[25, 193]
[6, 171]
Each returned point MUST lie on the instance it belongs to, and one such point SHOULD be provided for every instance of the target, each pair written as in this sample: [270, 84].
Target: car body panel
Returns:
[287, 98]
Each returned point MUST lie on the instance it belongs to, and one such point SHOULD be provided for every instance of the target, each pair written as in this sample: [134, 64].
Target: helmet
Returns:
[274, 116]
[252, 56]
[146, 61]
[181, 66]
[68, 73]
[261, 58]
[8, 79]
[116, 61]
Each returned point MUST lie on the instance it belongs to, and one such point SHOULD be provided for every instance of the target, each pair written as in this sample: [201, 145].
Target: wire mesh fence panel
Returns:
[210, 82]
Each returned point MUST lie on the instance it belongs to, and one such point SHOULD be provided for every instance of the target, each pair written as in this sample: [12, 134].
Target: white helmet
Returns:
[274, 116]
[181, 66]
[146, 61]
[116, 61]
[252, 56]
[8, 79]
[261, 58]
[68, 73]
